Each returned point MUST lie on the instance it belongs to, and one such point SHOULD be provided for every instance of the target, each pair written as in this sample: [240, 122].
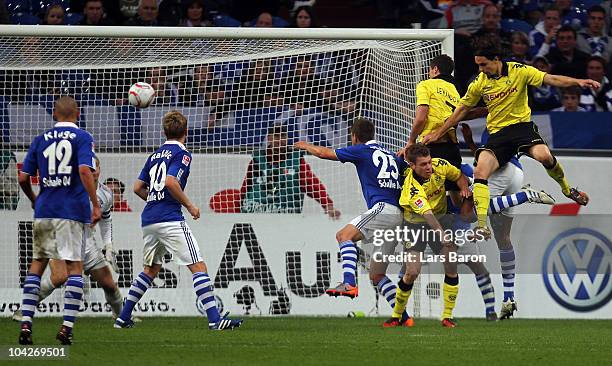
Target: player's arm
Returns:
[318, 151]
[420, 119]
[26, 186]
[312, 186]
[29, 168]
[467, 137]
[561, 81]
[176, 191]
[454, 174]
[141, 189]
[458, 115]
[433, 223]
[89, 183]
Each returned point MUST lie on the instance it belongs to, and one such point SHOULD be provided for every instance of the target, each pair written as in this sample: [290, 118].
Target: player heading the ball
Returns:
[161, 184]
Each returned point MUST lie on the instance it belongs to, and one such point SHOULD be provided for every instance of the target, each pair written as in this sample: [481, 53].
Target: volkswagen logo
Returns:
[576, 269]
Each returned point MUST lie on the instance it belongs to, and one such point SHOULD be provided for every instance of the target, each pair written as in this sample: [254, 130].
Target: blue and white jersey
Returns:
[172, 158]
[56, 155]
[380, 171]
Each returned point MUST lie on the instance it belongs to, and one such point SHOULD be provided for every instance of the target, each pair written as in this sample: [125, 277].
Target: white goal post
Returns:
[267, 232]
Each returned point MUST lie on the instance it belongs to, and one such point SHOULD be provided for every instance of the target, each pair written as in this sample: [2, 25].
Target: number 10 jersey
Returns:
[172, 158]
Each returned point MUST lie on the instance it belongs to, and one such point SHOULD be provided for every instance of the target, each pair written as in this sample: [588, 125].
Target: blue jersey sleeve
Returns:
[179, 165]
[86, 151]
[30, 163]
[348, 154]
[144, 173]
[401, 164]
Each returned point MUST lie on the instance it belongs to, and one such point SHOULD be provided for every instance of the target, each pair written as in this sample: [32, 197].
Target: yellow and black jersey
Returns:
[505, 96]
[418, 198]
[442, 98]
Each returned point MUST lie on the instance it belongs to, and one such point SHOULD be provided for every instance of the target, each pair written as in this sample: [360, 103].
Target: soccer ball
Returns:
[141, 95]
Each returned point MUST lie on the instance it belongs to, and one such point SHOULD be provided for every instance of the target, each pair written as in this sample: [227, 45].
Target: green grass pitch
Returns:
[328, 341]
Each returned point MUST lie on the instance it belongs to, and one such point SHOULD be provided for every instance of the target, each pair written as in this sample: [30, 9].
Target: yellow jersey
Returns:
[418, 198]
[505, 96]
[442, 98]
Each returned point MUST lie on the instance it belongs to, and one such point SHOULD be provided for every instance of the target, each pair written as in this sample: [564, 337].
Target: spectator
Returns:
[491, 30]
[519, 48]
[464, 16]
[147, 14]
[195, 15]
[116, 186]
[278, 177]
[570, 15]
[545, 97]
[4, 13]
[304, 18]
[54, 15]
[600, 100]
[165, 92]
[565, 58]
[257, 88]
[170, 13]
[542, 38]
[93, 14]
[301, 88]
[264, 20]
[570, 97]
[593, 39]
[9, 187]
[207, 89]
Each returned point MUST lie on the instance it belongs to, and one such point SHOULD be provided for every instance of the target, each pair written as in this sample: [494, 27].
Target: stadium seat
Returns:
[25, 19]
[73, 18]
[225, 21]
[516, 25]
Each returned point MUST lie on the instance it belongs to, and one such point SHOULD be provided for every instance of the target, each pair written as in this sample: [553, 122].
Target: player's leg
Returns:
[541, 153]
[31, 289]
[103, 276]
[487, 164]
[404, 287]
[450, 286]
[48, 284]
[346, 238]
[487, 291]
[502, 225]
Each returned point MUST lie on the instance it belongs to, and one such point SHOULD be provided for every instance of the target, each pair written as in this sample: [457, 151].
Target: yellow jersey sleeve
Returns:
[413, 199]
[474, 92]
[422, 93]
[533, 76]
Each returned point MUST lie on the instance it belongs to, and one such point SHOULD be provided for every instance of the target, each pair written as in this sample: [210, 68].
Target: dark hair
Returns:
[191, 3]
[444, 63]
[489, 52]
[111, 180]
[174, 124]
[309, 10]
[567, 28]
[572, 90]
[596, 9]
[599, 59]
[417, 151]
[553, 8]
[363, 128]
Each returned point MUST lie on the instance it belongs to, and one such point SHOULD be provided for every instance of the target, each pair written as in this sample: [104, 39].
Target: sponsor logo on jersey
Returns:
[419, 203]
[186, 160]
[576, 269]
[502, 94]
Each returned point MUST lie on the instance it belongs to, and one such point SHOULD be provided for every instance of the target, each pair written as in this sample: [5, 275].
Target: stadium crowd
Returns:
[562, 36]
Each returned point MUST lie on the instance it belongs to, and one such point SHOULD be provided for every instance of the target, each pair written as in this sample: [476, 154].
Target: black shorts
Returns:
[512, 140]
[436, 246]
[448, 151]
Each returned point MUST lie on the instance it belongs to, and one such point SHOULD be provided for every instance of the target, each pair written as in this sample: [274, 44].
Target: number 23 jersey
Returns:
[171, 159]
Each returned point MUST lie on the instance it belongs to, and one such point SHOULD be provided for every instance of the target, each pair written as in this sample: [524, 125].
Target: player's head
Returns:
[488, 60]
[277, 139]
[66, 109]
[96, 172]
[419, 159]
[362, 131]
[175, 125]
[116, 186]
[441, 64]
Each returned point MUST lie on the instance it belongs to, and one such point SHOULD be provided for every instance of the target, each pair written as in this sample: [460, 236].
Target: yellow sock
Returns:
[450, 298]
[556, 173]
[401, 299]
[481, 201]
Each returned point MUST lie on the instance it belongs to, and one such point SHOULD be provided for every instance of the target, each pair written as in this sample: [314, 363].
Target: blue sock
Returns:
[506, 258]
[500, 203]
[387, 289]
[31, 289]
[204, 291]
[487, 291]
[73, 294]
[348, 252]
[140, 285]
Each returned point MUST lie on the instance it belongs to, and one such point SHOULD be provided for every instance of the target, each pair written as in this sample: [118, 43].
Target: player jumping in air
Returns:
[96, 263]
[380, 175]
[161, 183]
[63, 157]
[503, 87]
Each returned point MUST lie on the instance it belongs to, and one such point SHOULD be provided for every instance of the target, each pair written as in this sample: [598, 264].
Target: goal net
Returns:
[270, 213]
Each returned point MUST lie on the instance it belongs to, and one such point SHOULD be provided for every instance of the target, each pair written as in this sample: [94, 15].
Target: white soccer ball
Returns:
[141, 95]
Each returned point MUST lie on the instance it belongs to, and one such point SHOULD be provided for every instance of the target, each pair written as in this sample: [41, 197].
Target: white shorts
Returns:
[170, 237]
[504, 181]
[58, 239]
[381, 216]
[92, 255]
